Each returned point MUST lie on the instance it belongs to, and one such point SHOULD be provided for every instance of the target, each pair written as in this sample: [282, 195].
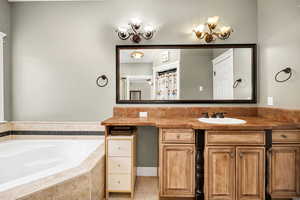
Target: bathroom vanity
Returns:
[256, 160]
[249, 157]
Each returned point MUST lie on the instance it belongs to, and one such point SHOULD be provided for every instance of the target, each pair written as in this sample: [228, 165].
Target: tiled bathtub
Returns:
[52, 168]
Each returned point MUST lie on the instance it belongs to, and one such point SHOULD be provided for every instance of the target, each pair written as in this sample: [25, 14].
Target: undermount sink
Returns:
[225, 120]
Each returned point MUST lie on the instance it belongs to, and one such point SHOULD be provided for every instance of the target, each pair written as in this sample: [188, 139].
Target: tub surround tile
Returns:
[4, 134]
[5, 138]
[56, 126]
[97, 179]
[75, 188]
[46, 194]
[54, 137]
[5, 127]
[67, 133]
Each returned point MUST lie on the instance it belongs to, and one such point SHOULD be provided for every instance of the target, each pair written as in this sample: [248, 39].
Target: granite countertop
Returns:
[253, 123]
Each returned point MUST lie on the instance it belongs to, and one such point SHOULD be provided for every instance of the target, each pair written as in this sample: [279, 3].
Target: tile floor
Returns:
[146, 188]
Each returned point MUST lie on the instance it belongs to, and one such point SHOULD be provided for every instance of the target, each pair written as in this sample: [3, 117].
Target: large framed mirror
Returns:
[169, 74]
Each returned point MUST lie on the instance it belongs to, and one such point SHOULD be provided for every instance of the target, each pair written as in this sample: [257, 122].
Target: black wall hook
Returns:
[287, 70]
[102, 81]
[237, 82]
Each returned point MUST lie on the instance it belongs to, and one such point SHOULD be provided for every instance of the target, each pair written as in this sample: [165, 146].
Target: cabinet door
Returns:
[250, 163]
[220, 173]
[177, 170]
[285, 171]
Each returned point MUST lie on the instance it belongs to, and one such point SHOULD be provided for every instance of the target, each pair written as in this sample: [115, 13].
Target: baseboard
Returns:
[146, 171]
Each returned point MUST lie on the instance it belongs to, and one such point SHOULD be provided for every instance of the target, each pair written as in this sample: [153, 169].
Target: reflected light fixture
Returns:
[212, 32]
[137, 55]
[135, 31]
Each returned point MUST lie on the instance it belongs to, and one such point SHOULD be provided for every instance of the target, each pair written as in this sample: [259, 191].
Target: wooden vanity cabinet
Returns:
[220, 173]
[250, 173]
[234, 170]
[284, 159]
[177, 163]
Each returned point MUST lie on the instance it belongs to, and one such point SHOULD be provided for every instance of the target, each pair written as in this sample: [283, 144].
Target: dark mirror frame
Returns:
[192, 46]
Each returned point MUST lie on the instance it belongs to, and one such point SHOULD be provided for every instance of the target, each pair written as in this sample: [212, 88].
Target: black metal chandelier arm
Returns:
[287, 70]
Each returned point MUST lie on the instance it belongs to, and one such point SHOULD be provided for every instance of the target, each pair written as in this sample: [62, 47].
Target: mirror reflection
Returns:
[185, 74]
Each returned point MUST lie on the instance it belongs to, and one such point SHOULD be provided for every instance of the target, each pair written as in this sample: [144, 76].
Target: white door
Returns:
[223, 76]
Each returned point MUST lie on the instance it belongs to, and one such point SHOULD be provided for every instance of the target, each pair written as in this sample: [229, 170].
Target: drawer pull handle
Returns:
[283, 136]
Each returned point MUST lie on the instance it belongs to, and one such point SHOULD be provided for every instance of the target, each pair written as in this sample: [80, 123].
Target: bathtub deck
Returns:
[146, 188]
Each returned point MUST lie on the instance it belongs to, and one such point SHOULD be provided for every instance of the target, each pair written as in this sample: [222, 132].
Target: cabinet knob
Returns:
[178, 136]
[283, 136]
[119, 165]
[241, 155]
[119, 182]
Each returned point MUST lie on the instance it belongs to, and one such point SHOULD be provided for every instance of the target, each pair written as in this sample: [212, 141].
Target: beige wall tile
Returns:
[97, 181]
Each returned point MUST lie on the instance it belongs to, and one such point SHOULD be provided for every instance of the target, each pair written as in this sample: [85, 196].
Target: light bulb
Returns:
[148, 28]
[136, 21]
[199, 28]
[137, 55]
[122, 29]
[213, 20]
[225, 29]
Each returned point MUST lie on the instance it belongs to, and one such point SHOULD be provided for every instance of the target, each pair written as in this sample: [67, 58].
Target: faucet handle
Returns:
[221, 114]
[214, 115]
[205, 115]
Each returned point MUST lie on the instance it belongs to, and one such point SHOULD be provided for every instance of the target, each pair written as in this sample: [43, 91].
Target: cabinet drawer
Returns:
[289, 136]
[178, 135]
[119, 165]
[235, 137]
[119, 182]
[119, 148]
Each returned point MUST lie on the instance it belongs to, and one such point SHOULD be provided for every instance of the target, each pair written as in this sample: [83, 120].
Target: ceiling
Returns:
[149, 54]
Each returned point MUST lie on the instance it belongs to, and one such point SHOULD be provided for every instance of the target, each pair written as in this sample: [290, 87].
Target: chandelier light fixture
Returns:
[135, 31]
[137, 55]
[213, 31]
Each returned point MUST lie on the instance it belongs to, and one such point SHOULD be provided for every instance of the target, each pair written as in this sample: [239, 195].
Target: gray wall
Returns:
[144, 87]
[196, 70]
[242, 68]
[5, 28]
[279, 42]
[147, 145]
[136, 69]
[59, 49]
